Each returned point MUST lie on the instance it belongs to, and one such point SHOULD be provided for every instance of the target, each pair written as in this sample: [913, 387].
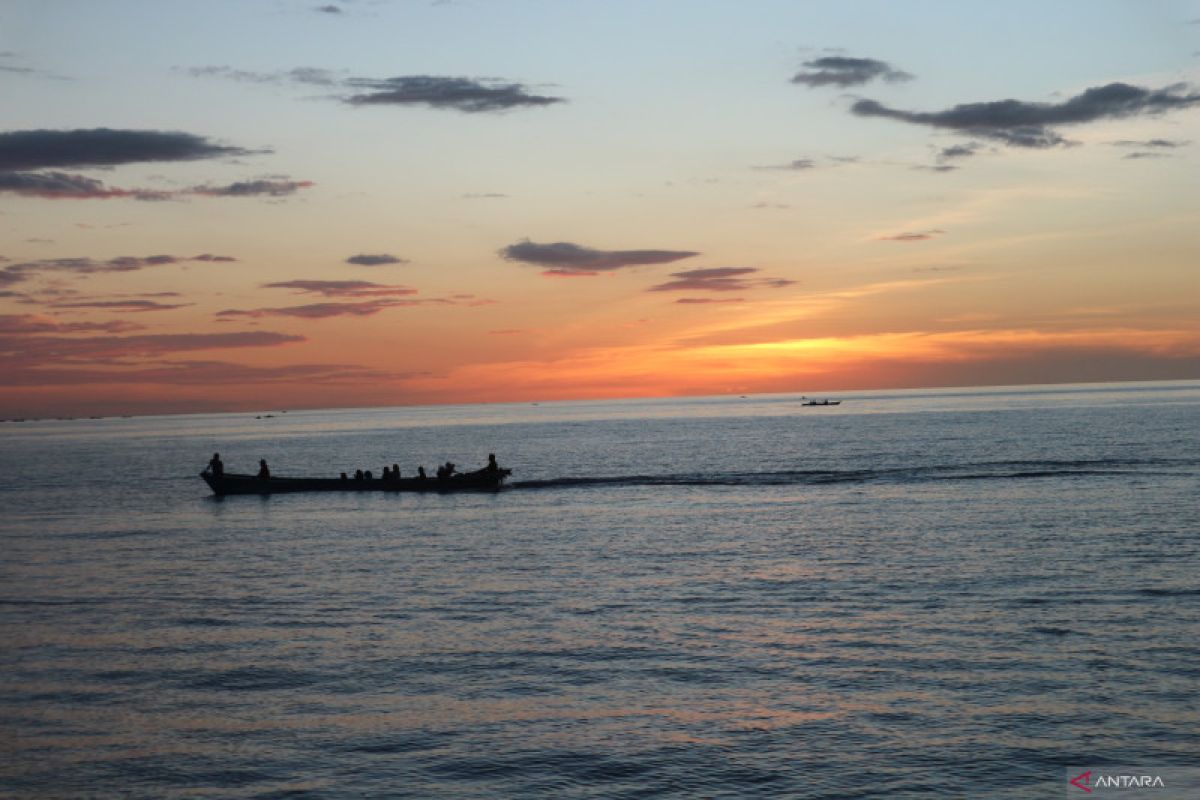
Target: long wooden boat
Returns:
[231, 483]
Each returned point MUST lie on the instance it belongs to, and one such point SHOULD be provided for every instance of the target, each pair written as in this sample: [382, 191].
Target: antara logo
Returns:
[1084, 781]
[1080, 781]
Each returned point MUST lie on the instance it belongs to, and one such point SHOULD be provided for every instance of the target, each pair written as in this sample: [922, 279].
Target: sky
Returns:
[231, 205]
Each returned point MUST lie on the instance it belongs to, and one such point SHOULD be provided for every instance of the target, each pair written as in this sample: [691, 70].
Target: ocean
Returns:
[933, 593]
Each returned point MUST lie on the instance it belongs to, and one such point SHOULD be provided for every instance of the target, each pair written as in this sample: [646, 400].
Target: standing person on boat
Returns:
[264, 472]
[492, 466]
[395, 472]
[421, 473]
[215, 466]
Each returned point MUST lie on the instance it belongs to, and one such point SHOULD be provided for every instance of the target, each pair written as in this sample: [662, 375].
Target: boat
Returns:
[232, 483]
[822, 403]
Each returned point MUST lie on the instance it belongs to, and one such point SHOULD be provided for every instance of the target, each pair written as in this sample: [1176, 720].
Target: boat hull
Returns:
[481, 481]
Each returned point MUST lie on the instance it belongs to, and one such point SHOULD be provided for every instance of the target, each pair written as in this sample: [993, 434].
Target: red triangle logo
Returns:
[1082, 780]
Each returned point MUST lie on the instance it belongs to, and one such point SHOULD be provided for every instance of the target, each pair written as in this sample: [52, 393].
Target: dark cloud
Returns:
[16, 273]
[1146, 154]
[470, 95]
[965, 150]
[32, 323]
[104, 147]
[55, 185]
[375, 260]
[124, 305]
[845, 71]
[565, 258]
[365, 308]
[718, 279]
[935, 167]
[911, 236]
[1021, 124]
[696, 301]
[460, 94]
[272, 188]
[328, 9]
[342, 288]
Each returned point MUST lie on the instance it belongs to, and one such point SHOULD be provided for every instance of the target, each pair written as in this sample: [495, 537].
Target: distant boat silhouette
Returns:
[822, 403]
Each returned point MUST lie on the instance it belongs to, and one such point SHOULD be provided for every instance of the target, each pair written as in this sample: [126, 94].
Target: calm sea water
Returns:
[914, 594]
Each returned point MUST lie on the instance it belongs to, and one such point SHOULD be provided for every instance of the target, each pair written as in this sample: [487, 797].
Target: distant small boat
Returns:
[822, 403]
[229, 483]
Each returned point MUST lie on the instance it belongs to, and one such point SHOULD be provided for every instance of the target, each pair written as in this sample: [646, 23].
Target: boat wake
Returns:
[992, 470]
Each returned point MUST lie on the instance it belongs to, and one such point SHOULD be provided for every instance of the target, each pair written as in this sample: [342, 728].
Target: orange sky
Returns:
[307, 212]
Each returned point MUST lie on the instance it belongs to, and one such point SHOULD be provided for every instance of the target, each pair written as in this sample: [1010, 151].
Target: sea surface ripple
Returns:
[914, 594]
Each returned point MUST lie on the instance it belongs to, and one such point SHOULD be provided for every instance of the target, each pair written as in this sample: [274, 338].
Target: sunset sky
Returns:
[282, 204]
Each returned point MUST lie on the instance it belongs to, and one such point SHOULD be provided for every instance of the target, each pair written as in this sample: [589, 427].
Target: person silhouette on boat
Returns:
[216, 466]
[492, 466]
[421, 473]
[358, 474]
[264, 472]
[395, 472]
[387, 473]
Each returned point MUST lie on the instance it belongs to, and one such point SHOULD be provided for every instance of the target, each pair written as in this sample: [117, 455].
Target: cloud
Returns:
[965, 150]
[33, 323]
[935, 167]
[1156, 143]
[201, 373]
[124, 305]
[460, 94]
[305, 75]
[469, 95]
[26, 72]
[54, 185]
[1021, 124]
[16, 273]
[845, 71]
[365, 308]
[695, 301]
[566, 259]
[379, 259]
[798, 164]
[911, 236]
[1144, 155]
[718, 279]
[272, 188]
[23, 351]
[328, 9]
[342, 288]
[104, 147]
[484, 196]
